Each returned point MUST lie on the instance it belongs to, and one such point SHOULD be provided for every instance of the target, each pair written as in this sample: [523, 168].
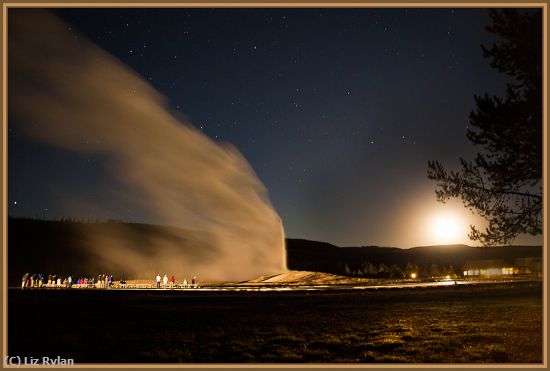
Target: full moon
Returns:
[446, 229]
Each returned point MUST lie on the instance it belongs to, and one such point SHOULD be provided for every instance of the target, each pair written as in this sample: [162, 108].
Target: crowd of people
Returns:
[171, 282]
[102, 281]
[37, 280]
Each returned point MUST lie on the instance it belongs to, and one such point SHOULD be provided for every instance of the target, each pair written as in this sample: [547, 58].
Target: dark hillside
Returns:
[323, 257]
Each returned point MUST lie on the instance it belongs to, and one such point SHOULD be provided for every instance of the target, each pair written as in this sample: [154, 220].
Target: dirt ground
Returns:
[499, 323]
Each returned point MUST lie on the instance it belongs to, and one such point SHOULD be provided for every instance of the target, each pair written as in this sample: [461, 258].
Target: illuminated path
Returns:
[407, 285]
[305, 287]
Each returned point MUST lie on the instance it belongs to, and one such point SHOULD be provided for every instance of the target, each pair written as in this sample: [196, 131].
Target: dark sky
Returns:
[337, 110]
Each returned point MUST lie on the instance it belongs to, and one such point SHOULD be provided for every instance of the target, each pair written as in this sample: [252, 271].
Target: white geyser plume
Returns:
[67, 92]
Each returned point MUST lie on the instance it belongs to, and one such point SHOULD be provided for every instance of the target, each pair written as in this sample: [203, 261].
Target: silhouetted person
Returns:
[24, 280]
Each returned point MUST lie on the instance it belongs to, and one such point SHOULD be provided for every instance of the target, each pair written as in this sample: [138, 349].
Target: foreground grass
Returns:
[494, 323]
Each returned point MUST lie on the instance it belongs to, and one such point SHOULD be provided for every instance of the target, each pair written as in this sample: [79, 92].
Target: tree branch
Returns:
[537, 197]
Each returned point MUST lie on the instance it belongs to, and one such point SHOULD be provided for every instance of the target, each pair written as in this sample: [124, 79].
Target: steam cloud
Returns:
[67, 92]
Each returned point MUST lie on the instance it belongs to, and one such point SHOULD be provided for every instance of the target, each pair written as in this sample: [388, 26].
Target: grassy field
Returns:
[488, 323]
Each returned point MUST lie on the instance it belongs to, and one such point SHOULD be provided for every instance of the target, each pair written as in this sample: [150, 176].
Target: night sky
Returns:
[337, 110]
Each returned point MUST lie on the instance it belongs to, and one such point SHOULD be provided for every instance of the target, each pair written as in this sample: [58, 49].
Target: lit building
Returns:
[488, 268]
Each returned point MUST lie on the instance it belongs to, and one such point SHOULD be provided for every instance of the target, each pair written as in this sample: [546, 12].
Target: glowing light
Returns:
[446, 229]
[413, 275]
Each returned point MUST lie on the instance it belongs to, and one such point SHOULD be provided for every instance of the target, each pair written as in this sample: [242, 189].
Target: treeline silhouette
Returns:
[68, 219]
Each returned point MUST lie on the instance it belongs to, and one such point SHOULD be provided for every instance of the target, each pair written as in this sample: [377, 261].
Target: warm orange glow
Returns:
[446, 229]
[413, 275]
[426, 222]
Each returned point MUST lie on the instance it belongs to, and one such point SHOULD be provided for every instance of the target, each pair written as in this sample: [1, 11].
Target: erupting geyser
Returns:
[67, 92]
